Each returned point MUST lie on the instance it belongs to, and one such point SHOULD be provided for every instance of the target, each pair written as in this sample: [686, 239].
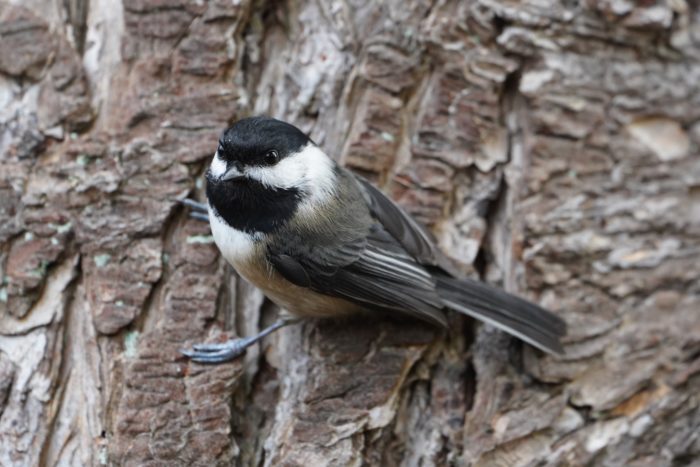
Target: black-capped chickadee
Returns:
[321, 242]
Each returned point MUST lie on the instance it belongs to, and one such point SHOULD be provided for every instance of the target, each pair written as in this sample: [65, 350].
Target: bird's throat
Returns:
[251, 207]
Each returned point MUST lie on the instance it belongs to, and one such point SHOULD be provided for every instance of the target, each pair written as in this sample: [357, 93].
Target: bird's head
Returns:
[263, 171]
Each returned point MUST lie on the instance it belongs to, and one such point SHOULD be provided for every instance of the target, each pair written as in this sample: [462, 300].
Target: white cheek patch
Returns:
[218, 166]
[320, 174]
[310, 170]
[286, 174]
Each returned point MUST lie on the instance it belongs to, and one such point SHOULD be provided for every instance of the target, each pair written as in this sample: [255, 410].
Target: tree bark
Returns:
[552, 148]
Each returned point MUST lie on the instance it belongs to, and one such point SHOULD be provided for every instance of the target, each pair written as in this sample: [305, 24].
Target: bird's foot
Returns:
[199, 210]
[225, 351]
[218, 352]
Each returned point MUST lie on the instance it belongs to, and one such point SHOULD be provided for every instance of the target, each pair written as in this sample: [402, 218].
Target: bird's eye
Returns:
[271, 157]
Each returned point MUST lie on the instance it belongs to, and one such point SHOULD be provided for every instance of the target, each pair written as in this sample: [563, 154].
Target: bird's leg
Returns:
[221, 352]
[200, 216]
[196, 205]
[199, 210]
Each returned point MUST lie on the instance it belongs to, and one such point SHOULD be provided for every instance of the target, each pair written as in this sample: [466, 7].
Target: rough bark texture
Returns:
[553, 149]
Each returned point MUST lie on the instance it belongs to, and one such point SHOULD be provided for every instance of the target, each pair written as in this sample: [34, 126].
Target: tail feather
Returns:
[518, 317]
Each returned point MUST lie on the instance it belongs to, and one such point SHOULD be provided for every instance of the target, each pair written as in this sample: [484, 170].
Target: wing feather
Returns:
[412, 236]
[415, 239]
[373, 271]
[392, 263]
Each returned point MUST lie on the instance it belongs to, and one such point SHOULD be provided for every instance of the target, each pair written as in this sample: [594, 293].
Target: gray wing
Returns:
[390, 268]
[373, 271]
[412, 236]
[514, 315]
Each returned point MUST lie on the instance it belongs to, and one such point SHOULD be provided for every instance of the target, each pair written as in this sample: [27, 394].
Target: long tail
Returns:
[516, 316]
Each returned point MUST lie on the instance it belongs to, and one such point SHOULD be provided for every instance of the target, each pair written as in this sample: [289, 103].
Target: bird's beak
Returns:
[232, 174]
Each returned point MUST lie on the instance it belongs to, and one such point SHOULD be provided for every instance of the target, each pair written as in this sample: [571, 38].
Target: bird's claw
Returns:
[217, 352]
[200, 216]
[225, 351]
[192, 204]
[199, 210]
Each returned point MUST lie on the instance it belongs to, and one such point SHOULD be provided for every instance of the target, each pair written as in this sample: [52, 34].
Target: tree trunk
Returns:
[553, 150]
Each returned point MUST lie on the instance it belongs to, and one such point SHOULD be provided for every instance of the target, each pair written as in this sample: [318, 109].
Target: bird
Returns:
[323, 242]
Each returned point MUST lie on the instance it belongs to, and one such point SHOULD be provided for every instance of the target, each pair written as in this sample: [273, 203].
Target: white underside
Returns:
[236, 246]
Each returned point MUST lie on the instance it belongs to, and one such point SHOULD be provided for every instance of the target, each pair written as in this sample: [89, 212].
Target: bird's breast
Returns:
[236, 246]
[245, 253]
